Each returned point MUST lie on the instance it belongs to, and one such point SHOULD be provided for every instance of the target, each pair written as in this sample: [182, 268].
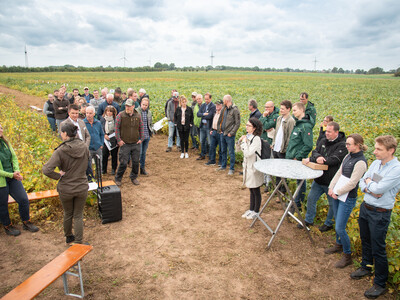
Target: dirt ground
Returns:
[182, 237]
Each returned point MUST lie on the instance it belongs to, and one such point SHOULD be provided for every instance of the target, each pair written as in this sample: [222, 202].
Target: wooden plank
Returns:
[35, 284]
[50, 193]
[315, 166]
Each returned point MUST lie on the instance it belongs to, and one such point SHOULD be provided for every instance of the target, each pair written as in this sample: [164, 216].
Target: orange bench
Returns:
[59, 266]
[50, 193]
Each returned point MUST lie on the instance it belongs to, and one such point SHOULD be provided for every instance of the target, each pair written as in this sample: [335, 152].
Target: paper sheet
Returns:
[343, 180]
[159, 124]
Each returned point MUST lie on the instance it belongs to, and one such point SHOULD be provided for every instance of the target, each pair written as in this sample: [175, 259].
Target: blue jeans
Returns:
[143, 149]
[204, 139]
[302, 193]
[315, 193]
[193, 134]
[342, 211]
[373, 229]
[171, 129]
[14, 188]
[228, 144]
[215, 141]
[52, 122]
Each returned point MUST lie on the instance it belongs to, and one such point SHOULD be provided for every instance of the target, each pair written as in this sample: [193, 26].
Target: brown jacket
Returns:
[82, 128]
[72, 157]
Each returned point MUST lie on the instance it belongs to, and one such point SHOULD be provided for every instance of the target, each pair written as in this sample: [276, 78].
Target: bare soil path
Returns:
[182, 237]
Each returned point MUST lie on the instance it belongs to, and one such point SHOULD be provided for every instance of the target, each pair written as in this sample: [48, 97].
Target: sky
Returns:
[356, 34]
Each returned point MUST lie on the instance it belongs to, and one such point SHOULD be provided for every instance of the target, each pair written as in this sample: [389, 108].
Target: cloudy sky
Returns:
[350, 34]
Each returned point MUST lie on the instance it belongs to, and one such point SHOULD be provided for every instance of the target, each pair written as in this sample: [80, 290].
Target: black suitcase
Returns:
[108, 198]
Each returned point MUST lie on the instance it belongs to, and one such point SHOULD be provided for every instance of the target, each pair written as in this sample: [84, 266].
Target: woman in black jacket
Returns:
[183, 119]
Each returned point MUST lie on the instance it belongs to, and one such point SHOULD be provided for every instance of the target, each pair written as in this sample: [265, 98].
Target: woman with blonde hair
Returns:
[343, 189]
[184, 121]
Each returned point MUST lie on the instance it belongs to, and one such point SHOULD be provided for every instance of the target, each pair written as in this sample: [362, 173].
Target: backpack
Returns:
[265, 149]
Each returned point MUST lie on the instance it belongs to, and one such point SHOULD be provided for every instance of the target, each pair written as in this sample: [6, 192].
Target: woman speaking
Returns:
[71, 159]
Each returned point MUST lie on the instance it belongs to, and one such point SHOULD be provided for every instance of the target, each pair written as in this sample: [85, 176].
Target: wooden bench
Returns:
[59, 266]
[50, 193]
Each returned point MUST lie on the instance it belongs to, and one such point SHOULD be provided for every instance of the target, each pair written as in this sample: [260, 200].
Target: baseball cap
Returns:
[219, 102]
[175, 95]
[194, 94]
[85, 88]
[129, 102]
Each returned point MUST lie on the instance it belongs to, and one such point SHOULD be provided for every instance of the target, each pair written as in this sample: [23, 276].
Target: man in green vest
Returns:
[268, 119]
[129, 135]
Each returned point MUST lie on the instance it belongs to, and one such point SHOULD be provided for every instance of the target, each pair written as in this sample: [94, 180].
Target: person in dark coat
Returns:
[183, 119]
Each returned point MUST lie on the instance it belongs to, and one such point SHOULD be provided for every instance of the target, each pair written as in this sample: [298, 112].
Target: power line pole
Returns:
[212, 57]
[315, 64]
[26, 58]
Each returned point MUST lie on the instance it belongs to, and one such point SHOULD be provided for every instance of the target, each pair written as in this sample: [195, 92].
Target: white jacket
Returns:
[251, 177]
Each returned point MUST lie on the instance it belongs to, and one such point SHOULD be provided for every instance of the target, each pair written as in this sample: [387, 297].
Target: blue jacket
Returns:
[96, 134]
[102, 108]
[209, 117]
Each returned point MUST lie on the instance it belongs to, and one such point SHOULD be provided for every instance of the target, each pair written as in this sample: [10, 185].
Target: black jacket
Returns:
[334, 153]
[188, 118]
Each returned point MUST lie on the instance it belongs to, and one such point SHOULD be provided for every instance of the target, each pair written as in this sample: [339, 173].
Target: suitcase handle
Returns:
[98, 172]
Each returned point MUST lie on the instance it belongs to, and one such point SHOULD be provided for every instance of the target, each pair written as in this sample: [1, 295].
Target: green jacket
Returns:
[4, 174]
[301, 140]
[196, 119]
[268, 123]
[311, 112]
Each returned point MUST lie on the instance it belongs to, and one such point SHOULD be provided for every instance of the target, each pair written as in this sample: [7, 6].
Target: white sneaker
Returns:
[252, 215]
[247, 212]
[182, 155]
[186, 155]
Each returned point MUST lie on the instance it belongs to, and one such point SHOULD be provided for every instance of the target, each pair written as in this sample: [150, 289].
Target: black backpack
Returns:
[265, 149]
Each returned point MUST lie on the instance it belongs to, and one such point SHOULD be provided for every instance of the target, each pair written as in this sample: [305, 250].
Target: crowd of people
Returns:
[120, 124]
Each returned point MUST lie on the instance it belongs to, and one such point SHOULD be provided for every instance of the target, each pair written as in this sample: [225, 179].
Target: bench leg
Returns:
[76, 268]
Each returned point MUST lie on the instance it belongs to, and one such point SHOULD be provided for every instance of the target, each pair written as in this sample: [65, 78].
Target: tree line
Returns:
[158, 66]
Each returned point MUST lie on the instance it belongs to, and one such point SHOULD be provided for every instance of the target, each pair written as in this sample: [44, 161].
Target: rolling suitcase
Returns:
[108, 198]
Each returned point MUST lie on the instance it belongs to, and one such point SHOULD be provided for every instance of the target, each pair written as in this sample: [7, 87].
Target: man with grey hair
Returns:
[96, 137]
[96, 101]
[142, 94]
[109, 101]
[228, 125]
[254, 112]
[268, 119]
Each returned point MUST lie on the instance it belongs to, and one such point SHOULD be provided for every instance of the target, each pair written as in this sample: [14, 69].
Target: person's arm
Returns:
[335, 178]
[368, 174]
[387, 182]
[200, 112]
[86, 134]
[337, 156]
[48, 168]
[141, 132]
[46, 109]
[359, 169]
[176, 116]
[236, 115]
[101, 135]
[118, 130]
[211, 113]
[191, 118]
[307, 139]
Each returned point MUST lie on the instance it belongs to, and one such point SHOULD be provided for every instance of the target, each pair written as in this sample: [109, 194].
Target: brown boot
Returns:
[335, 249]
[345, 261]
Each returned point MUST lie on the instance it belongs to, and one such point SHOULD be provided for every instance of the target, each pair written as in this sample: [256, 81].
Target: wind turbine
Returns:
[124, 58]
[315, 64]
[26, 58]
[212, 57]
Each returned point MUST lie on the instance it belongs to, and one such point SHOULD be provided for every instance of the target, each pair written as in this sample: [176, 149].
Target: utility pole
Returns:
[212, 57]
[124, 58]
[26, 58]
[315, 64]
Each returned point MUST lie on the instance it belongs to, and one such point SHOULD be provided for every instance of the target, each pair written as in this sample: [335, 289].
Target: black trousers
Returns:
[255, 199]
[278, 179]
[184, 135]
[114, 158]
[126, 152]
